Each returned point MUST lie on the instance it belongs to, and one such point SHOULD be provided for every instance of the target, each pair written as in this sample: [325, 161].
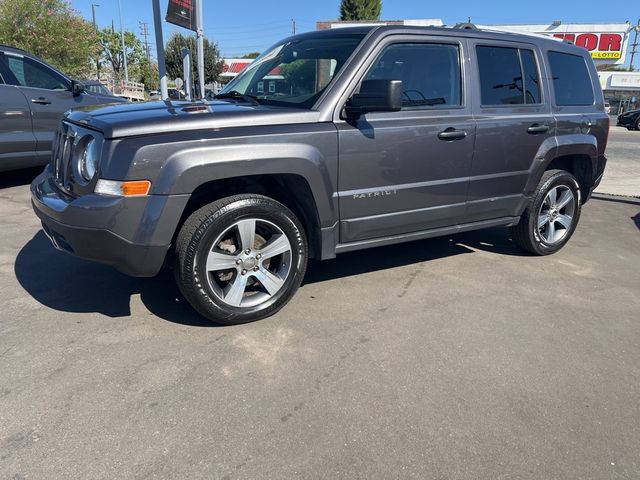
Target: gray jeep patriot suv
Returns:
[329, 142]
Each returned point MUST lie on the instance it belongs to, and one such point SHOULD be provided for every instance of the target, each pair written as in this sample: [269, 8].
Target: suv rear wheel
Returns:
[551, 216]
[241, 258]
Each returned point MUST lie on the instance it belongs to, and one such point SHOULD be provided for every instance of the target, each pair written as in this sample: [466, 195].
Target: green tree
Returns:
[148, 74]
[351, 10]
[111, 42]
[251, 55]
[52, 30]
[173, 57]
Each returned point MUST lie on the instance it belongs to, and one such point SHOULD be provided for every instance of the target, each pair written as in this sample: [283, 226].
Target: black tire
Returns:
[195, 242]
[526, 233]
[638, 124]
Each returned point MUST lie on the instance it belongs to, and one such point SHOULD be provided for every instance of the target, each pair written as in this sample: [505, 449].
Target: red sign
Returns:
[601, 45]
[182, 13]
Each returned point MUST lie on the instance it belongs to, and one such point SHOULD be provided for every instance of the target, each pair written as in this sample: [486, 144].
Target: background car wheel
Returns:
[638, 124]
[241, 258]
[551, 216]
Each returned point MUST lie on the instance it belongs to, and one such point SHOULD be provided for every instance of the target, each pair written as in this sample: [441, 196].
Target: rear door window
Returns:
[508, 76]
[571, 79]
[531, 78]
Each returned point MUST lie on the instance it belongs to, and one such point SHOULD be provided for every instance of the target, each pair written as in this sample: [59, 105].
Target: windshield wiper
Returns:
[236, 95]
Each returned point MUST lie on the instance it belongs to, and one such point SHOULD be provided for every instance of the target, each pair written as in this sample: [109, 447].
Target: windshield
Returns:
[294, 73]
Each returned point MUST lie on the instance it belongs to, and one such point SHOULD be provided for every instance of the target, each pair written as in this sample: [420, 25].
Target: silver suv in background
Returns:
[33, 98]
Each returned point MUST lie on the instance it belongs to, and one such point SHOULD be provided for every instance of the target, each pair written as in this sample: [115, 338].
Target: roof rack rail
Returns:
[465, 26]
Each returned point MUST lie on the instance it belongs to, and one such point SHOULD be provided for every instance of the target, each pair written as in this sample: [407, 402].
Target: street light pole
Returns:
[200, 46]
[95, 30]
[634, 45]
[124, 51]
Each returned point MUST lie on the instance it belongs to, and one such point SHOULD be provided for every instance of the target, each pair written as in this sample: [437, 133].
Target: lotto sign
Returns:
[607, 42]
[601, 45]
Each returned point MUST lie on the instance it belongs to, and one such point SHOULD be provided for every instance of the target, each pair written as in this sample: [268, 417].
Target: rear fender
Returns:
[555, 147]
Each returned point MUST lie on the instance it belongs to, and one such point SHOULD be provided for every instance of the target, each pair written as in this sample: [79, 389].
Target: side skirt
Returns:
[436, 232]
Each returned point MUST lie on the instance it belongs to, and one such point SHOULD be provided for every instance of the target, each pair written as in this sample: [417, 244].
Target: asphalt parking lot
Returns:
[451, 358]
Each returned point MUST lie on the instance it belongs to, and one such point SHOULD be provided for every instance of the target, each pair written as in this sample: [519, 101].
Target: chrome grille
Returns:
[66, 172]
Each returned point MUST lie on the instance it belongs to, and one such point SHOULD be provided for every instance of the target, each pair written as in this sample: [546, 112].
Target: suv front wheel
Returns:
[551, 216]
[241, 258]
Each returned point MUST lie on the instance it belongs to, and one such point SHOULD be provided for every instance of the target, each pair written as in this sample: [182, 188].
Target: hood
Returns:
[116, 121]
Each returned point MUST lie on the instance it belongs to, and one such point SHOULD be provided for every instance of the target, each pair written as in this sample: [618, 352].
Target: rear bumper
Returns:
[131, 234]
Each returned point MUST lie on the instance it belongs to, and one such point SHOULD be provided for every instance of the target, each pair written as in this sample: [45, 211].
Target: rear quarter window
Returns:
[571, 80]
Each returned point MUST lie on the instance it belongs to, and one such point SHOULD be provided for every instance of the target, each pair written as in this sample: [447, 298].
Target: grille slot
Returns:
[61, 152]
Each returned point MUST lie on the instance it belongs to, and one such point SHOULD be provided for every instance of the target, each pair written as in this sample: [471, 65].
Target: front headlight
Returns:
[86, 155]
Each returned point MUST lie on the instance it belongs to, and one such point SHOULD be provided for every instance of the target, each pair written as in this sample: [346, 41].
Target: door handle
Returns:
[40, 101]
[535, 128]
[452, 134]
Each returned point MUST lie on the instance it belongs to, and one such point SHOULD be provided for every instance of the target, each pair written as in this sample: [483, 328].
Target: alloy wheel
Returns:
[248, 263]
[556, 214]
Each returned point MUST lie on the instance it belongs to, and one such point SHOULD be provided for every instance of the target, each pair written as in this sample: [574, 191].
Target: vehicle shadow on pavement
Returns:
[495, 240]
[65, 283]
[19, 177]
[626, 200]
[68, 284]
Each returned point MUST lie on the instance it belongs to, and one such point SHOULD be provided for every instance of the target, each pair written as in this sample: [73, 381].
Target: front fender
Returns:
[178, 164]
[188, 169]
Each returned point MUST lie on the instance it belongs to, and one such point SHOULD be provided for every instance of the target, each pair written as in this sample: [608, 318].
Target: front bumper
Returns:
[131, 234]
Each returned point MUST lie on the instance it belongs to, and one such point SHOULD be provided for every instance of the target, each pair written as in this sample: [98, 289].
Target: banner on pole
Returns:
[182, 13]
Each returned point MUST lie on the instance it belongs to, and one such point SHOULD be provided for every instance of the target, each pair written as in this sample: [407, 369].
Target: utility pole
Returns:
[95, 30]
[634, 45]
[293, 25]
[200, 45]
[124, 51]
[162, 69]
[144, 31]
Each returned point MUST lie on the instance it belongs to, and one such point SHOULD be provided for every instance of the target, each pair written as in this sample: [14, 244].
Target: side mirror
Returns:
[77, 88]
[376, 96]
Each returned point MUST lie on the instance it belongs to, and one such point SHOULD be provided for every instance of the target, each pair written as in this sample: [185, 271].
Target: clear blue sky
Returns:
[243, 26]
